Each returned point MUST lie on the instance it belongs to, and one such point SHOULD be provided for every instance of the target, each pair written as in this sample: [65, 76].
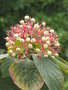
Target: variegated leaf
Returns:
[25, 75]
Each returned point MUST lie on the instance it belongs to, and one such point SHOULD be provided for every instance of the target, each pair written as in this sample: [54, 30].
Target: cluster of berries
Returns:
[28, 38]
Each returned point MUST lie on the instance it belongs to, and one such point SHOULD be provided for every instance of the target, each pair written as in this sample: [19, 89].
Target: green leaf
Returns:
[50, 73]
[66, 85]
[3, 56]
[62, 64]
[62, 60]
[25, 75]
[5, 66]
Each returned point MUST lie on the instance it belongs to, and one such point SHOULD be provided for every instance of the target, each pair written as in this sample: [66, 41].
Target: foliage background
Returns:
[54, 12]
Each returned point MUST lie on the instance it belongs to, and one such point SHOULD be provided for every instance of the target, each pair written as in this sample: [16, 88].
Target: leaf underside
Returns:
[50, 73]
[25, 75]
[3, 56]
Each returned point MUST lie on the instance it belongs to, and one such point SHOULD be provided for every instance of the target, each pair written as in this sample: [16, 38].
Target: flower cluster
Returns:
[30, 37]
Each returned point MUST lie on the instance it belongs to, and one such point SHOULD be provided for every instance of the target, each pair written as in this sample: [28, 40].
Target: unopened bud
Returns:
[26, 17]
[33, 40]
[10, 51]
[17, 49]
[49, 52]
[51, 31]
[43, 38]
[45, 55]
[30, 46]
[37, 50]
[57, 44]
[15, 35]
[46, 33]
[43, 23]
[32, 19]
[52, 56]
[47, 38]
[56, 54]
[28, 26]
[48, 42]
[36, 26]
[45, 45]
[21, 40]
[28, 39]
[7, 38]
[20, 26]
[13, 54]
[22, 21]
[7, 44]
[12, 42]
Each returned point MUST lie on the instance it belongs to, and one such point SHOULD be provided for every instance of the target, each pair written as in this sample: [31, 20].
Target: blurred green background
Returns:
[54, 12]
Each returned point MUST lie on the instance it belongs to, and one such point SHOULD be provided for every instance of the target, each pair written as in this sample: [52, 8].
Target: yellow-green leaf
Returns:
[25, 75]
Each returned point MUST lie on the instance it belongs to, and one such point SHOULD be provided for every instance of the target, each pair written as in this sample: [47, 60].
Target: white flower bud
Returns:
[10, 51]
[52, 56]
[28, 26]
[7, 38]
[36, 26]
[48, 42]
[12, 42]
[56, 54]
[14, 27]
[7, 44]
[43, 38]
[43, 23]
[20, 26]
[46, 33]
[57, 44]
[45, 45]
[33, 40]
[32, 19]
[26, 17]
[18, 49]
[13, 54]
[28, 39]
[47, 38]
[30, 46]
[15, 35]
[45, 55]
[37, 50]
[21, 40]
[51, 31]
[49, 52]
[22, 21]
